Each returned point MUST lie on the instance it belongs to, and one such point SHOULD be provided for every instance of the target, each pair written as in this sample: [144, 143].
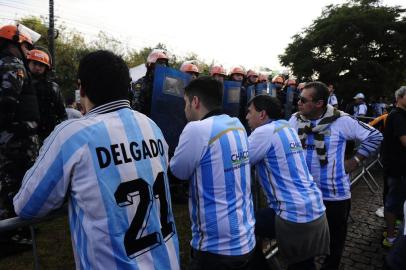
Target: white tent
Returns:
[137, 72]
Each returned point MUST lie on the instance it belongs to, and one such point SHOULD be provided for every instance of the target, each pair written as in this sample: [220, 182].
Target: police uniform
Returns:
[19, 115]
[142, 94]
[51, 106]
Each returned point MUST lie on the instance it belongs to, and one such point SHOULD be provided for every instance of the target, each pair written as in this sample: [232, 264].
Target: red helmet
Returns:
[39, 56]
[290, 82]
[217, 69]
[237, 70]
[189, 67]
[12, 33]
[155, 55]
[262, 78]
[278, 79]
[251, 73]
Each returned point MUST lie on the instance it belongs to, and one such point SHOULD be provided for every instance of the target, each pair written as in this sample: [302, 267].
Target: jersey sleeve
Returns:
[259, 143]
[45, 185]
[188, 152]
[369, 138]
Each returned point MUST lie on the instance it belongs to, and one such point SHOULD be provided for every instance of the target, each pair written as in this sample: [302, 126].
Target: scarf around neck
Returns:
[305, 127]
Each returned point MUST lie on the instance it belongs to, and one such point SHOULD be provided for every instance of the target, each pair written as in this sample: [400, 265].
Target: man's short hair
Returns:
[320, 91]
[104, 77]
[209, 91]
[400, 93]
[270, 105]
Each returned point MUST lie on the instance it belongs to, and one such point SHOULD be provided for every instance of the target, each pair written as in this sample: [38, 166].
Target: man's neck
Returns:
[206, 114]
[318, 114]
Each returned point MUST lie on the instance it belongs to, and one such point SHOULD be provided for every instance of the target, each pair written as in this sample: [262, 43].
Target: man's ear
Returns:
[195, 102]
[262, 114]
[81, 89]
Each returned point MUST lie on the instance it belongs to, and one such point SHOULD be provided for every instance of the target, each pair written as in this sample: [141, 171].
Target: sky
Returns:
[248, 33]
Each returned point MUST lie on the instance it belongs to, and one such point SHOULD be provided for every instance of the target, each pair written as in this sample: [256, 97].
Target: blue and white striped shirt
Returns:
[213, 154]
[332, 179]
[276, 151]
[112, 163]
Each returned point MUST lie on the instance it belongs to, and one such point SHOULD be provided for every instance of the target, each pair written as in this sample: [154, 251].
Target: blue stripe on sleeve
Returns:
[54, 173]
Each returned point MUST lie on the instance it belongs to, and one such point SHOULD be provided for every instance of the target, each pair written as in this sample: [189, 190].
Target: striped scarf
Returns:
[306, 127]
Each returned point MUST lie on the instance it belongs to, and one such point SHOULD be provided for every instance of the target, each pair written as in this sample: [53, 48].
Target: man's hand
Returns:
[350, 165]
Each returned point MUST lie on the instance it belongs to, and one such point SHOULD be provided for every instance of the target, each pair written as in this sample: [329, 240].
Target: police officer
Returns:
[218, 72]
[19, 115]
[252, 78]
[52, 109]
[191, 68]
[143, 87]
[237, 73]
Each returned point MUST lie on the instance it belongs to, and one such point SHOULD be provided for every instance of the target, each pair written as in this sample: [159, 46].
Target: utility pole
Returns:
[51, 33]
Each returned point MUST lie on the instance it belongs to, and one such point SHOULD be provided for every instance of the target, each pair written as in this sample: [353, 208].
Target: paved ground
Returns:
[363, 245]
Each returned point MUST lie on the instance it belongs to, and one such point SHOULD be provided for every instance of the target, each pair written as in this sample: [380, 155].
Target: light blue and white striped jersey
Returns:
[332, 179]
[112, 164]
[276, 151]
[213, 154]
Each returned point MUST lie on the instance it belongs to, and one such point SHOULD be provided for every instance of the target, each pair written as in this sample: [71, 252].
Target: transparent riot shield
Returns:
[231, 98]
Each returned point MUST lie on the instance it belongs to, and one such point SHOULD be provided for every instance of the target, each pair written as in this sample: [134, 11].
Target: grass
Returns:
[54, 244]
[55, 247]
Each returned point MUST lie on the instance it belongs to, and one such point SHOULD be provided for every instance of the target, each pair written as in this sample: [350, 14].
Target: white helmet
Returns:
[359, 95]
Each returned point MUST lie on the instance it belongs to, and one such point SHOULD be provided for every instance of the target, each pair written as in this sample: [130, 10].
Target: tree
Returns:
[358, 46]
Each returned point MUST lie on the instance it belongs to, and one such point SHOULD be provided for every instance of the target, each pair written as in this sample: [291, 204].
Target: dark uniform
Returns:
[142, 94]
[51, 107]
[19, 116]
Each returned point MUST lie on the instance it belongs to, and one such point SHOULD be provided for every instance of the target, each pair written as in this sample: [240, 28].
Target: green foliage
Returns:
[358, 46]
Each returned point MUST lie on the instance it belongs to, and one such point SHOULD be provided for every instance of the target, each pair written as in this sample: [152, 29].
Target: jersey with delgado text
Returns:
[112, 163]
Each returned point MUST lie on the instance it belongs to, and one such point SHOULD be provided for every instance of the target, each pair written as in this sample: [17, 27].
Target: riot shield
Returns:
[272, 90]
[261, 88]
[231, 98]
[250, 92]
[167, 108]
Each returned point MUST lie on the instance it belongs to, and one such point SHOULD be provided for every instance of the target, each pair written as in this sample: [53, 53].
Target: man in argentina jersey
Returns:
[213, 155]
[296, 215]
[112, 166]
[323, 131]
